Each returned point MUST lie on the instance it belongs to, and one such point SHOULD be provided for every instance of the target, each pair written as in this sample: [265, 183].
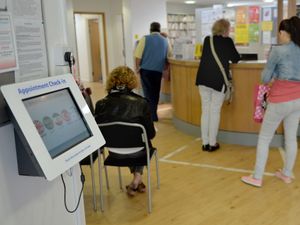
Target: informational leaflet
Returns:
[30, 39]
[242, 33]
[8, 55]
[253, 14]
[253, 33]
[241, 26]
[208, 17]
[267, 37]
[31, 50]
[267, 14]
[26, 9]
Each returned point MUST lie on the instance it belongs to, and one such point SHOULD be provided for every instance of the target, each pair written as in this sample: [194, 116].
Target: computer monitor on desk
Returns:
[54, 127]
[248, 56]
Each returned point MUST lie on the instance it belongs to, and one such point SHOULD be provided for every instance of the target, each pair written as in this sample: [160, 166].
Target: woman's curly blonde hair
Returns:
[220, 27]
[121, 77]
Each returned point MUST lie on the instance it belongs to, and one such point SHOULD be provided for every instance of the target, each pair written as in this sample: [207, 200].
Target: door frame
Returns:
[104, 36]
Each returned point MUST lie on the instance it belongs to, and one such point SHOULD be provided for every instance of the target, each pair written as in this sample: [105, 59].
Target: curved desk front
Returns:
[236, 125]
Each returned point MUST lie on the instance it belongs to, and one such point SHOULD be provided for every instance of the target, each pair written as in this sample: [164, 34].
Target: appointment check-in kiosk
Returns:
[54, 127]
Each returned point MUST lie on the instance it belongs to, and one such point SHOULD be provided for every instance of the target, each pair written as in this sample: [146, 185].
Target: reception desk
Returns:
[236, 125]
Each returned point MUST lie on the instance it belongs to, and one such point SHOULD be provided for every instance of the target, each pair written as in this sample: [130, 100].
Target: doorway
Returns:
[95, 49]
[91, 46]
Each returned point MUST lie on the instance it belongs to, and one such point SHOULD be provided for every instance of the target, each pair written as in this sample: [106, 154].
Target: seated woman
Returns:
[121, 104]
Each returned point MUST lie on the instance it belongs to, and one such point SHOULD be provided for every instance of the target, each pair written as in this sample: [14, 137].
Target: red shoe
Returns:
[252, 181]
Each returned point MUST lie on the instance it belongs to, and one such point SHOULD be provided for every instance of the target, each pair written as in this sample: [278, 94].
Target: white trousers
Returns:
[211, 102]
[289, 112]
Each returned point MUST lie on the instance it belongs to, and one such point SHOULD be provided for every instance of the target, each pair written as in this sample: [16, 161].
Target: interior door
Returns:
[95, 49]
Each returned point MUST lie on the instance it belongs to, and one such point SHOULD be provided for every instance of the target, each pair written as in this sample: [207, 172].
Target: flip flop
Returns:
[130, 190]
[141, 188]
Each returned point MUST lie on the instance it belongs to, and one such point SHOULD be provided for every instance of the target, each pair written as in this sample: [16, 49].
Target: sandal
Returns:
[141, 188]
[130, 190]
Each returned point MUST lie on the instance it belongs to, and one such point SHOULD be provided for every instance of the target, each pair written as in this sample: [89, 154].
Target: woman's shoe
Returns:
[205, 147]
[214, 147]
[131, 191]
[252, 181]
[141, 188]
[283, 177]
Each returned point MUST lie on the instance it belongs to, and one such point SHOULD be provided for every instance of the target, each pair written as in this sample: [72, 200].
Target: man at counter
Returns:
[151, 56]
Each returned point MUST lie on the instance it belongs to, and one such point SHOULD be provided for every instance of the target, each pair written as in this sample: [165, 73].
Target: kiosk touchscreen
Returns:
[54, 127]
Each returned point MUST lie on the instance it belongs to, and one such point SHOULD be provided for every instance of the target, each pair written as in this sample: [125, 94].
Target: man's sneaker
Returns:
[283, 177]
[252, 181]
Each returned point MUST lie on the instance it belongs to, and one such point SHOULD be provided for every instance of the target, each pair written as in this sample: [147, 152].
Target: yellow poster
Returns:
[267, 25]
[198, 51]
[242, 33]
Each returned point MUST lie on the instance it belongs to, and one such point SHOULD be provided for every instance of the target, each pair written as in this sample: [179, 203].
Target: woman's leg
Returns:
[136, 184]
[217, 99]
[273, 116]
[205, 94]
[137, 172]
[290, 124]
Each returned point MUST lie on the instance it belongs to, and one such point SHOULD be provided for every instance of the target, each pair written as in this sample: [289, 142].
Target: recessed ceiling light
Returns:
[268, 0]
[189, 2]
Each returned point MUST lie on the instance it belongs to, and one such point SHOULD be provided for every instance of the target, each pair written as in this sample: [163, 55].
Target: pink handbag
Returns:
[261, 92]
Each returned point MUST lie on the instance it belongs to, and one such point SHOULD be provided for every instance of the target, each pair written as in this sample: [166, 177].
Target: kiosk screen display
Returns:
[58, 120]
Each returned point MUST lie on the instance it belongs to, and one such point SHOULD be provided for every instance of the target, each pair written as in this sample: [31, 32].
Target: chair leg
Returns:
[157, 170]
[149, 190]
[120, 178]
[100, 181]
[93, 183]
[105, 170]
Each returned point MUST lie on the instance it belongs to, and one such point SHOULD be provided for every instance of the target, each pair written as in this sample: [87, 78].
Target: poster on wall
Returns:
[253, 14]
[31, 50]
[267, 37]
[242, 33]
[8, 54]
[241, 15]
[26, 9]
[30, 39]
[205, 18]
[267, 14]
[242, 26]
[254, 33]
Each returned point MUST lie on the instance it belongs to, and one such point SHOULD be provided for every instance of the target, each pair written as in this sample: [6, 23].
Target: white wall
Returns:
[110, 9]
[33, 200]
[180, 8]
[59, 30]
[138, 15]
[83, 48]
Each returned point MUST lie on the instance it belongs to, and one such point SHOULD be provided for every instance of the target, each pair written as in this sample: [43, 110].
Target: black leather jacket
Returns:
[125, 106]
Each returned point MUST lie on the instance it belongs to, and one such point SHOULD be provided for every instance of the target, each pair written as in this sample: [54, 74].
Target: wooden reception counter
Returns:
[236, 125]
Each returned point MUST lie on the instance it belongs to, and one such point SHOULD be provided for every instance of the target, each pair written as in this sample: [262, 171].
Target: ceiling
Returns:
[213, 2]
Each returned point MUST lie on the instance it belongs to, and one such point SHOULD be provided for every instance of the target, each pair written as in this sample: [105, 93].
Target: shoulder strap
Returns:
[218, 60]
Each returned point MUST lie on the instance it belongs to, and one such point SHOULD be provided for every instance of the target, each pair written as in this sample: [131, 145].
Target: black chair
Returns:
[89, 160]
[123, 140]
